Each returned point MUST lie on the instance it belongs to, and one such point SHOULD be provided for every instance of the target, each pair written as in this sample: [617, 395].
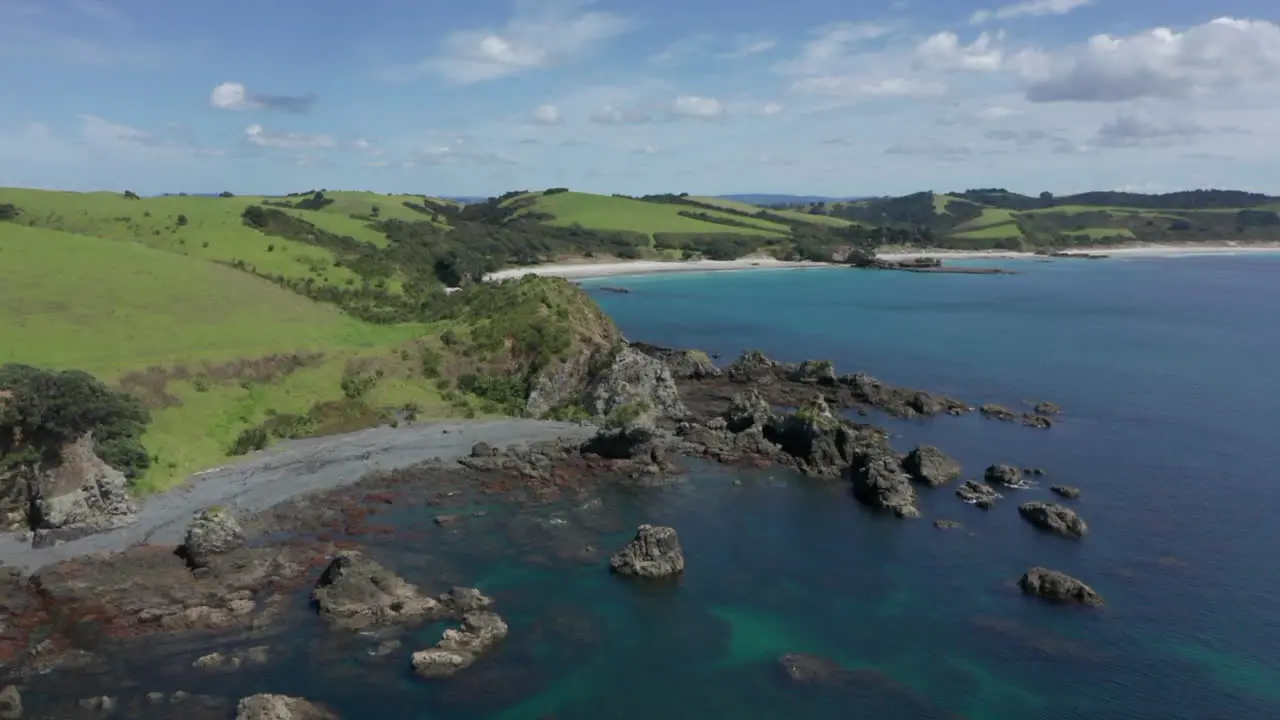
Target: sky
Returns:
[823, 97]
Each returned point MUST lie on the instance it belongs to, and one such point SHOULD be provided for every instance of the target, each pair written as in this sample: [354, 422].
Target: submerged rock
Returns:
[459, 648]
[214, 531]
[1069, 492]
[974, 493]
[655, 552]
[1046, 408]
[1057, 587]
[931, 466]
[1053, 517]
[947, 525]
[997, 412]
[355, 591]
[280, 707]
[10, 703]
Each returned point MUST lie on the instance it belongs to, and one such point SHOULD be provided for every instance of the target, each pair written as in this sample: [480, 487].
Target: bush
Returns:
[48, 409]
[508, 392]
[225, 194]
[249, 440]
[8, 211]
[131, 195]
[182, 220]
[357, 385]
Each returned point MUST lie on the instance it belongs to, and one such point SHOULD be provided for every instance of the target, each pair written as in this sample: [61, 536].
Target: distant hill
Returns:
[776, 199]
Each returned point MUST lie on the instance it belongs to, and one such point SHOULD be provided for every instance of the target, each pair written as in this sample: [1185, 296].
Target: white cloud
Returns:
[1030, 8]
[1223, 54]
[530, 41]
[748, 45]
[830, 48]
[234, 96]
[943, 51]
[547, 114]
[853, 87]
[614, 115]
[696, 106]
[256, 135]
[996, 112]
[770, 108]
[1132, 130]
[367, 148]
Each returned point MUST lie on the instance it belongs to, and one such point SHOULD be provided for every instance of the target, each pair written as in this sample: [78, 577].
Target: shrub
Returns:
[8, 211]
[249, 440]
[48, 409]
[508, 392]
[225, 194]
[182, 221]
[356, 385]
[131, 195]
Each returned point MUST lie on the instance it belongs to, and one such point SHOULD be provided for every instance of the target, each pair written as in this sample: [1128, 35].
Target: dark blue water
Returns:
[1166, 370]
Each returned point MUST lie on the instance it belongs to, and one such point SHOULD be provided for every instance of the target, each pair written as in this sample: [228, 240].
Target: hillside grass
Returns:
[117, 309]
[214, 229]
[790, 214]
[990, 232]
[990, 217]
[605, 212]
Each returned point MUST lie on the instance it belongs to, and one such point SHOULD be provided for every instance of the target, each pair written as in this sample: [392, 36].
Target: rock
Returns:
[947, 524]
[280, 707]
[808, 669]
[461, 647]
[446, 520]
[997, 412]
[214, 531]
[634, 378]
[1057, 587]
[10, 703]
[104, 703]
[461, 600]
[1067, 491]
[900, 402]
[1037, 421]
[1054, 518]
[691, 365]
[1006, 475]
[931, 466]
[748, 409]
[1046, 408]
[984, 496]
[80, 495]
[879, 481]
[655, 552]
[355, 591]
[821, 372]
[752, 367]
[483, 449]
[821, 443]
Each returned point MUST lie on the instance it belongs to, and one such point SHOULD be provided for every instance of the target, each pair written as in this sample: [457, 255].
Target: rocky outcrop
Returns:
[974, 493]
[819, 372]
[753, 367]
[880, 481]
[901, 402]
[214, 531]
[232, 661]
[1054, 518]
[79, 495]
[1057, 587]
[10, 703]
[683, 364]
[634, 378]
[1046, 408]
[355, 592]
[655, 552]
[1006, 475]
[748, 409]
[929, 465]
[460, 647]
[821, 444]
[1069, 492]
[280, 707]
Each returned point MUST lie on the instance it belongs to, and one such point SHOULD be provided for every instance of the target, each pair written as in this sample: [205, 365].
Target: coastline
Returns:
[580, 270]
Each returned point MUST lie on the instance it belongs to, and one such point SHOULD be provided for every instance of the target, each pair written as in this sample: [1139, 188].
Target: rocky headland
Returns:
[224, 556]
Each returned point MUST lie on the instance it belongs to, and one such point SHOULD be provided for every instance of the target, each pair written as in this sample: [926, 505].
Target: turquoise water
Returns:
[1166, 373]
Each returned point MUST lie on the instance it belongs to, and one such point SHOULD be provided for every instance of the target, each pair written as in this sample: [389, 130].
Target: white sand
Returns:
[582, 270]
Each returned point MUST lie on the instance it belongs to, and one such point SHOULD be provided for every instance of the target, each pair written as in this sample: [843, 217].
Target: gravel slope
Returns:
[287, 470]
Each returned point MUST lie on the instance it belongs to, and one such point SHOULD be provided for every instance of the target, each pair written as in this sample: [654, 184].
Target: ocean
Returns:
[1166, 373]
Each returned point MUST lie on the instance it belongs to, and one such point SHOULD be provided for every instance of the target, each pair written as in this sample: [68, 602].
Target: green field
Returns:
[116, 309]
[605, 212]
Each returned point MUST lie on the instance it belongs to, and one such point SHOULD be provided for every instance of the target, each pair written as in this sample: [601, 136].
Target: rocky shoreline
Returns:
[231, 570]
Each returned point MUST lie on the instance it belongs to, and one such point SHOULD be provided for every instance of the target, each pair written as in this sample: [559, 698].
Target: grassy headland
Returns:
[237, 321]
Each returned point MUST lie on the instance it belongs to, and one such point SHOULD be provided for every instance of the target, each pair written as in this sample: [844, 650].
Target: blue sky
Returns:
[476, 98]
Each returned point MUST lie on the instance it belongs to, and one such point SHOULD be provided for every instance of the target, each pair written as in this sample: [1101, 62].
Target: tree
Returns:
[131, 195]
[182, 220]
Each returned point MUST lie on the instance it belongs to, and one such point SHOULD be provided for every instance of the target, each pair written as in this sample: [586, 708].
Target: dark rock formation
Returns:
[655, 552]
[947, 525]
[214, 531]
[748, 409]
[820, 372]
[683, 364]
[1057, 587]
[10, 703]
[974, 493]
[634, 378]
[821, 444]
[1046, 408]
[355, 592]
[1006, 475]
[879, 480]
[998, 412]
[74, 496]
[462, 600]
[280, 707]
[483, 449]
[1054, 518]
[459, 648]
[931, 466]
[902, 402]
[1069, 492]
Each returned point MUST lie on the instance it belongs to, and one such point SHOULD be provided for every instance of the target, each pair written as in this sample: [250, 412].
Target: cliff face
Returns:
[76, 495]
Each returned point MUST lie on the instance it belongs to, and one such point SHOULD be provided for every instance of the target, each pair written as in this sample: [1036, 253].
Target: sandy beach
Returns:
[581, 270]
